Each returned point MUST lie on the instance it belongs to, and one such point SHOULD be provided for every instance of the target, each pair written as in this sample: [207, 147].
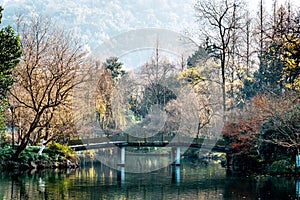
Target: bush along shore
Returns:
[54, 156]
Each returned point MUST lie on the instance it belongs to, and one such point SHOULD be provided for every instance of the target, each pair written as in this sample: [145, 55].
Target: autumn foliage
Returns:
[243, 127]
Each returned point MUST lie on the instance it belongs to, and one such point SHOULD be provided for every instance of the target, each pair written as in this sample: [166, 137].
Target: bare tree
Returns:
[261, 30]
[282, 129]
[44, 77]
[221, 20]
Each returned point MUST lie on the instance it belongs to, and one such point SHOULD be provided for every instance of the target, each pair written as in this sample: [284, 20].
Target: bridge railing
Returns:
[159, 138]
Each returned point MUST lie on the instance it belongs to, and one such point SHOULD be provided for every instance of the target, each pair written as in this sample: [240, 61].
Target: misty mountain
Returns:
[94, 21]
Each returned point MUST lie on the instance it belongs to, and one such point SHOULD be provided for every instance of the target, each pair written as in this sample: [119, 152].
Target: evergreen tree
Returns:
[269, 74]
[199, 57]
[155, 94]
[10, 53]
[115, 67]
[279, 59]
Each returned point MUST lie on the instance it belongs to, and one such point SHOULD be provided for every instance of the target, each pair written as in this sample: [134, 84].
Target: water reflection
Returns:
[188, 181]
[121, 175]
[175, 171]
[135, 162]
[298, 188]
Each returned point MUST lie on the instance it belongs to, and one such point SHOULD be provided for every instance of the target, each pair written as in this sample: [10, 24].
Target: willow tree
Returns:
[44, 77]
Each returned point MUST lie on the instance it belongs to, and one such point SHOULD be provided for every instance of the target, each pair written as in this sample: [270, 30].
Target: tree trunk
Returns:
[19, 150]
[223, 87]
[261, 33]
[25, 140]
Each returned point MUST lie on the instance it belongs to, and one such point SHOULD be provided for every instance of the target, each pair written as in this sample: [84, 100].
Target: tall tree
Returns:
[248, 41]
[291, 57]
[253, 85]
[283, 129]
[111, 74]
[10, 53]
[104, 100]
[203, 81]
[289, 28]
[153, 99]
[261, 30]
[222, 19]
[155, 74]
[278, 49]
[45, 76]
[282, 33]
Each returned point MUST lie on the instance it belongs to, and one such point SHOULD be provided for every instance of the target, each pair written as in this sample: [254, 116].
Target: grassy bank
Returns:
[54, 156]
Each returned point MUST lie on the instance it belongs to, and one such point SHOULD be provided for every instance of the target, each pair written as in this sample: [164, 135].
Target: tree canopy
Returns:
[45, 78]
[10, 52]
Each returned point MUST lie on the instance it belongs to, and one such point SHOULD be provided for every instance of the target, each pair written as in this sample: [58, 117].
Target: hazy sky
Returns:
[103, 19]
[95, 21]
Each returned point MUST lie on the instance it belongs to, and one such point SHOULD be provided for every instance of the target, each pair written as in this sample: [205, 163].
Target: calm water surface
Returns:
[189, 181]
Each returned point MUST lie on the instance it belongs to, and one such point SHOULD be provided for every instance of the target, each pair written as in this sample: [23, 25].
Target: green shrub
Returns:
[62, 149]
[33, 148]
[281, 166]
[6, 152]
[28, 156]
[44, 157]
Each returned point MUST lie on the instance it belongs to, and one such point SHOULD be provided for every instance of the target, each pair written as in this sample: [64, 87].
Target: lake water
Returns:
[189, 181]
